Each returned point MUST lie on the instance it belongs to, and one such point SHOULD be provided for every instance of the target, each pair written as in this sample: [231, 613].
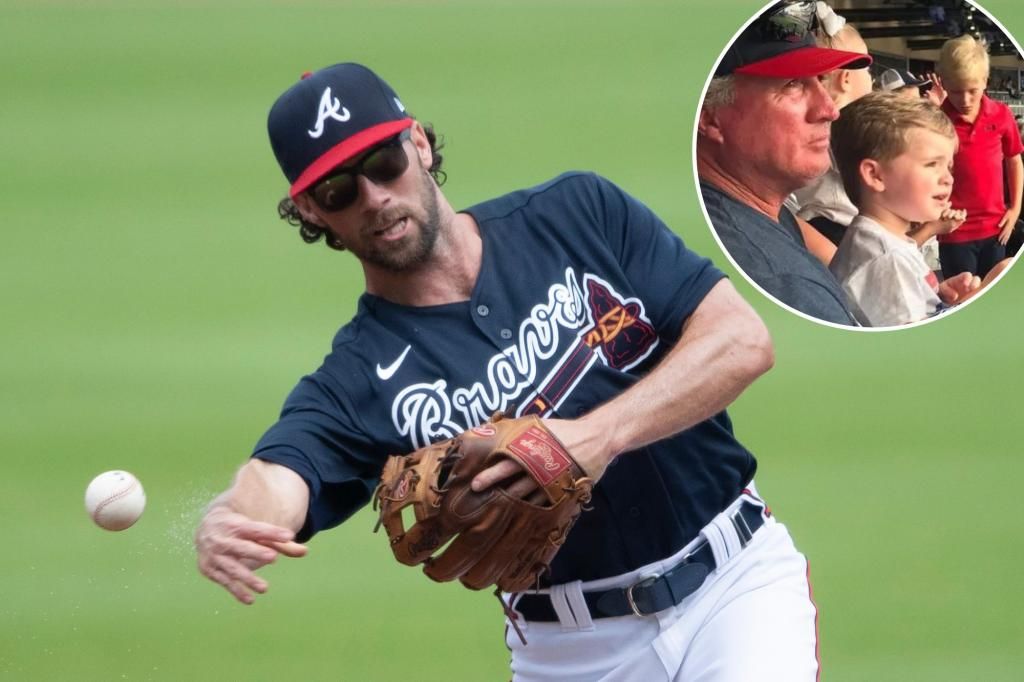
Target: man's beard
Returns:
[414, 249]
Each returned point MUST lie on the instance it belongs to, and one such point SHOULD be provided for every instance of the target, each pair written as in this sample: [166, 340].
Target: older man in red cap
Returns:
[763, 133]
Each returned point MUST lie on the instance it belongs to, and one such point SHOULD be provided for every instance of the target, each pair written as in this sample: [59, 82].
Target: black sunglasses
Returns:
[384, 163]
[788, 22]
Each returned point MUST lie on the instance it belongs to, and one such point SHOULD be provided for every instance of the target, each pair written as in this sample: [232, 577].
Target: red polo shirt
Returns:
[978, 168]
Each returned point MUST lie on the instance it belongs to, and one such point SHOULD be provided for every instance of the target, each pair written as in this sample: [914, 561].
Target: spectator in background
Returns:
[987, 160]
[823, 203]
[936, 93]
[904, 83]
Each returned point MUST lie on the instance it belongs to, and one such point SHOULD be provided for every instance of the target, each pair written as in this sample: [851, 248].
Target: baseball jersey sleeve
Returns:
[319, 436]
[671, 279]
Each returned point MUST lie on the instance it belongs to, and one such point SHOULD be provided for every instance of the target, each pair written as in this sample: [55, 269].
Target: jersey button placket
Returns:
[484, 312]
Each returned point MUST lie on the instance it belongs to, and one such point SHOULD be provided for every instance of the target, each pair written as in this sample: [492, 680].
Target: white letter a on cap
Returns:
[330, 107]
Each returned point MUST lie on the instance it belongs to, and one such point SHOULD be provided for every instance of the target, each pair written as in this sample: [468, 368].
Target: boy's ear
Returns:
[871, 175]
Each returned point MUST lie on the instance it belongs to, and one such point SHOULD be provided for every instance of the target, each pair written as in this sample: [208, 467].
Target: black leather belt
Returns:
[657, 593]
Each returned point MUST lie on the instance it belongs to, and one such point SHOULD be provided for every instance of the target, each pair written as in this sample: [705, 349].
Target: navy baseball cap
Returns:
[330, 116]
[781, 44]
[894, 79]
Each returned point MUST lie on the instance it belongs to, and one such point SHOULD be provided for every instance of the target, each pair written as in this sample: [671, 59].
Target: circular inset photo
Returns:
[860, 163]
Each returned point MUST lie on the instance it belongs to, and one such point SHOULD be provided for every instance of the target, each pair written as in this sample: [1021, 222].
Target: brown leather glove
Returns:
[495, 538]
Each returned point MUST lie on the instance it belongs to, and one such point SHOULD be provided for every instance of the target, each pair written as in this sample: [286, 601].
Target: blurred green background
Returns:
[156, 313]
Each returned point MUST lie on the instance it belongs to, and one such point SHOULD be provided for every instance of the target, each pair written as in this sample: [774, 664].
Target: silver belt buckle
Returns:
[643, 582]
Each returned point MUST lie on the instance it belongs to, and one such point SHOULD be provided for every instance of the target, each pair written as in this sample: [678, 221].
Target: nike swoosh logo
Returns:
[386, 373]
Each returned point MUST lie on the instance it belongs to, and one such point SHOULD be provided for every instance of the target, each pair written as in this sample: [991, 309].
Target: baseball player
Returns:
[570, 301]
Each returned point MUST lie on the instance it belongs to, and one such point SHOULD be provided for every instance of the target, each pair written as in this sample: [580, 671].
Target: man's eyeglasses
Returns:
[790, 22]
[383, 164]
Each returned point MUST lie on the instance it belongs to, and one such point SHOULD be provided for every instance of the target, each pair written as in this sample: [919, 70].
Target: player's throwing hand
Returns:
[231, 546]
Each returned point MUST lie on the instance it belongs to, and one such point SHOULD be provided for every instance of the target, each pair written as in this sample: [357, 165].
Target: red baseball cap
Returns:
[781, 44]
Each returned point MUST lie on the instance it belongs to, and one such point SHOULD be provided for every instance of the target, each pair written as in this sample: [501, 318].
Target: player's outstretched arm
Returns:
[247, 526]
[724, 347]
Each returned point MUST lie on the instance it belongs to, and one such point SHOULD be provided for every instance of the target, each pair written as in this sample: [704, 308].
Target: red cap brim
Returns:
[345, 150]
[805, 62]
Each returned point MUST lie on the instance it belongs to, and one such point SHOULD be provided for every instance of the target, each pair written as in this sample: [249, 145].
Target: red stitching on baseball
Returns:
[113, 498]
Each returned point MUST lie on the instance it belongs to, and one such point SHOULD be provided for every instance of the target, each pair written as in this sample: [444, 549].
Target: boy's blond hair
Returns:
[963, 59]
[840, 41]
[876, 127]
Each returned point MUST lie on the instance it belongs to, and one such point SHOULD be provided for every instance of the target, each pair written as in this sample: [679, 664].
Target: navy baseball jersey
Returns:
[582, 290]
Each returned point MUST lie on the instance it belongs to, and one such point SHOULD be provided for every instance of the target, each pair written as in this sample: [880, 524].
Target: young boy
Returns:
[895, 157]
[989, 155]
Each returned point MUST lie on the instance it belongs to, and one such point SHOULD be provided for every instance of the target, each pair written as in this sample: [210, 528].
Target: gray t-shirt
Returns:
[885, 276]
[773, 254]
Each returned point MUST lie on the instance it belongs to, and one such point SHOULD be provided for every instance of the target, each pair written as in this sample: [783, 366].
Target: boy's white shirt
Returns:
[885, 276]
[930, 252]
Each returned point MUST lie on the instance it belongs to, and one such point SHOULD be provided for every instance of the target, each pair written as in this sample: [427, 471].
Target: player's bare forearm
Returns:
[723, 349]
[268, 492]
[249, 525]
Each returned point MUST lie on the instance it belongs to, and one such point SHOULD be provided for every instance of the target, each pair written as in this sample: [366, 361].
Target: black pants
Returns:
[975, 257]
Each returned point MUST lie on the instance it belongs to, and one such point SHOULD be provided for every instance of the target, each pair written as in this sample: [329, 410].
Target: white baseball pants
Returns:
[752, 619]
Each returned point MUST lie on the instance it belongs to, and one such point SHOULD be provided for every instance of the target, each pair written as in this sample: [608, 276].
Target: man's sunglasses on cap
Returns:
[781, 43]
[384, 163]
[790, 22]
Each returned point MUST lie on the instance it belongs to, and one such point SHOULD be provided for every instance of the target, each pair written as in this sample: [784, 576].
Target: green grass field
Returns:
[156, 313]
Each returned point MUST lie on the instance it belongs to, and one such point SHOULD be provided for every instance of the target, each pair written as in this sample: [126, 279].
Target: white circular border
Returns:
[721, 246]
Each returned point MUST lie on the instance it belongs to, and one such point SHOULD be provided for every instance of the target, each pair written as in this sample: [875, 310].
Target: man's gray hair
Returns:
[721, 92]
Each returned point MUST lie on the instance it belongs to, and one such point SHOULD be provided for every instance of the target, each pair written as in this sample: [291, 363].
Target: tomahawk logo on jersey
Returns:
[560, 341]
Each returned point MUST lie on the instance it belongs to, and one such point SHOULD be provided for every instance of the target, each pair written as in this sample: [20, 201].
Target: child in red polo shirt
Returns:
[988, 159]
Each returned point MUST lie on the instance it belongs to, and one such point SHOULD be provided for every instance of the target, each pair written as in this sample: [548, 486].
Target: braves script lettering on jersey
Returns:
[589, 292]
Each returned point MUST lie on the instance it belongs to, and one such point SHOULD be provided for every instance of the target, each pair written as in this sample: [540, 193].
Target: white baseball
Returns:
[115, 500]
